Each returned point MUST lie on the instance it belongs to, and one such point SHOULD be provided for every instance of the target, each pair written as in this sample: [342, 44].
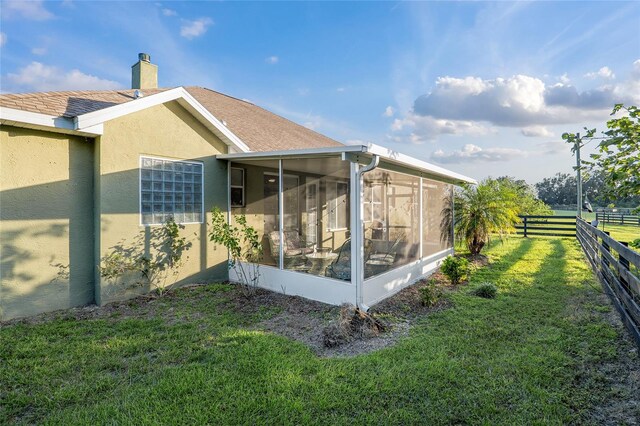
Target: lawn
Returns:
[626, 233]
[548, 350]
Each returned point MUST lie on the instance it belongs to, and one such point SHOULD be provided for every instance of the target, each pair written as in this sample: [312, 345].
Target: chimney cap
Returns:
[144, 57]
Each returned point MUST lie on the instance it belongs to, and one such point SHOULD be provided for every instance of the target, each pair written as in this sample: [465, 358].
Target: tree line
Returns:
[560, 189]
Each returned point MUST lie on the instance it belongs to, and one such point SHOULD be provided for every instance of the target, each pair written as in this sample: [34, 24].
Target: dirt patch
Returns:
[294, 317]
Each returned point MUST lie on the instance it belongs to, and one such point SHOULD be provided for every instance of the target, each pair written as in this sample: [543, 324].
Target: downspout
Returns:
[375, 161]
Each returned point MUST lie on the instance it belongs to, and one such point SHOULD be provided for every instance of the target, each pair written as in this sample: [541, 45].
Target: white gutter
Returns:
[358, 247]
[389, 156]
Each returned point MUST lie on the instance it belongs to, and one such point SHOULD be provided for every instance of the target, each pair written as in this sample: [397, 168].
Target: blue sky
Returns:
[481, 88]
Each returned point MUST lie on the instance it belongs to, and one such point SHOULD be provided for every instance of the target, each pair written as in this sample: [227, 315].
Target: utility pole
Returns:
[578, 177]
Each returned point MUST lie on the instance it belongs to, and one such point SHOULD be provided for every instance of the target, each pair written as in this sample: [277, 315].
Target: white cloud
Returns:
[388, 112]
[520, 101]
[536, 132]
[340, 89]
[472, 153]
[39, 77]
[564, 79]
[193, 29]
[419, 129]
[604, 72]
[272, 60]
[32, 10]
[169, 12]
[3, 39]
[303, 91]
[39, 51]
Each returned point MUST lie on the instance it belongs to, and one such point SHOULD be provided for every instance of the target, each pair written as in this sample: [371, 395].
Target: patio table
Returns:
[320, 260]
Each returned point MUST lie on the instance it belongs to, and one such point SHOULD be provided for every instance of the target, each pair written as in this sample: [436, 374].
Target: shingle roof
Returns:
[260, 129]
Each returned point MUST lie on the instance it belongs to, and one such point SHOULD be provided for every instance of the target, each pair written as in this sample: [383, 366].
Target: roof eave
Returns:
[388, 155]
[50, 123]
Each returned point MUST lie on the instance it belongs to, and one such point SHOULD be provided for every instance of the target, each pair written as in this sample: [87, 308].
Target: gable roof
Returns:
[250, 127]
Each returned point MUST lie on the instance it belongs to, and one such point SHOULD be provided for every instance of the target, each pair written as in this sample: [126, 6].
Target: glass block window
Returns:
[170, 188]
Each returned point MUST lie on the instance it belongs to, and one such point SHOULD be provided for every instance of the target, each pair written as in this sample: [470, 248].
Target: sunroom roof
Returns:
[362, 154]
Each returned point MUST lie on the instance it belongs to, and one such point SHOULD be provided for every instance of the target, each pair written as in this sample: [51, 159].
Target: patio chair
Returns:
[340, 268]
[387, 256]
[294, 249]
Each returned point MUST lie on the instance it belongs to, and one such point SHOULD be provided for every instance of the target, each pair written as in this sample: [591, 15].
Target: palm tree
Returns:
[487, 208]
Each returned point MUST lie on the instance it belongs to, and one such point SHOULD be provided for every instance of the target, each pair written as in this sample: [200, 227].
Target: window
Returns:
[337, 202]
[170, 188]
[373, 208]
[237, 187]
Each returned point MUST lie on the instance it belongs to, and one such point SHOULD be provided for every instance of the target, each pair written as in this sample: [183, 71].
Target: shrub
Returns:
[429, 294]
[455, 268]
[486, 290]
[635, 243]
[149, 258]
[243, 243]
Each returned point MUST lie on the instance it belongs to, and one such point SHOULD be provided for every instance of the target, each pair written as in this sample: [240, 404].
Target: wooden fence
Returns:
[552, 226]
[618, 269]
[618, 218]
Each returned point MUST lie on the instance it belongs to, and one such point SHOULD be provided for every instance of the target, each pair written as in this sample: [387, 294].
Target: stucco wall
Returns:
[46, 221]
[166, 131]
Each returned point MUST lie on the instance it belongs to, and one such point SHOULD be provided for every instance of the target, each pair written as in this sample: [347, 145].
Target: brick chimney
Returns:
[144, 75]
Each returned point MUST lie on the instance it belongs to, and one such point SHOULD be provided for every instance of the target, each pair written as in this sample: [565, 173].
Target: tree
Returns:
[482, 210]
[618, 153]
[526, 200]
[243, 243]
[560, 189]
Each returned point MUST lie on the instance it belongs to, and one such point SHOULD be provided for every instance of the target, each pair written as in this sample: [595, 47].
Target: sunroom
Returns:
[349, 224]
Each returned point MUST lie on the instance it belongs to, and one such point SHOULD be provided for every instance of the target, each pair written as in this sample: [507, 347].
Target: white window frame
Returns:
[332, 205]
[370, 199]
[243, 186]
[174, 160]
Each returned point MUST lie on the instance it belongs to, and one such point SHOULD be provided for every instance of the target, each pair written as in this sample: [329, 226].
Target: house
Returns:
[87, 173]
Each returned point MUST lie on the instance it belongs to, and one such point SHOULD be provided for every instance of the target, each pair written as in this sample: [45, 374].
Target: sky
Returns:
[481, 88]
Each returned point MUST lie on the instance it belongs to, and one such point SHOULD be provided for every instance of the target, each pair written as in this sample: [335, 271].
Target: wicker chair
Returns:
[294, 249]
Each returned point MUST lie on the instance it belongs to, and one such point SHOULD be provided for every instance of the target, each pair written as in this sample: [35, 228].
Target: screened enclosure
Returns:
[341, 227]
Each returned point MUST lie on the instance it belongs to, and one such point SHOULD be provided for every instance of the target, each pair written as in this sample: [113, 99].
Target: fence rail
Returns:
[617, 268]
[553, 226]
[618, 218]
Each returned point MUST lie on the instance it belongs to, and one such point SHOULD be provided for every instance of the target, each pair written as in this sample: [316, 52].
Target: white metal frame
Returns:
[388, 157]
[359, 291]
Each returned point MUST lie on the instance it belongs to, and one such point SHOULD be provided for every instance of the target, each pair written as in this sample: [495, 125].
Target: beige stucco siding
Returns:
[46, 221]
[165, 131]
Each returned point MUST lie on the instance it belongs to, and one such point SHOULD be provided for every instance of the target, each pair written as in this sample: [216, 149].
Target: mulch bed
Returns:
[295, 317]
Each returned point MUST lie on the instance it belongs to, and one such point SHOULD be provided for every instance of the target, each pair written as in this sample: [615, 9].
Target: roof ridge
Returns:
[67, 92]
[223, 94]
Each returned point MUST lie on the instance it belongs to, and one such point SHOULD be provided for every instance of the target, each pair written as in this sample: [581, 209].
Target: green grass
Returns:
[624, 233]
[525, 357]
[585, 215]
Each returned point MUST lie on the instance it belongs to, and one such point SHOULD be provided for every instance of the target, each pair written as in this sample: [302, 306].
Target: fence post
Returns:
[525, 227]
[606, 247]
[624, 262]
